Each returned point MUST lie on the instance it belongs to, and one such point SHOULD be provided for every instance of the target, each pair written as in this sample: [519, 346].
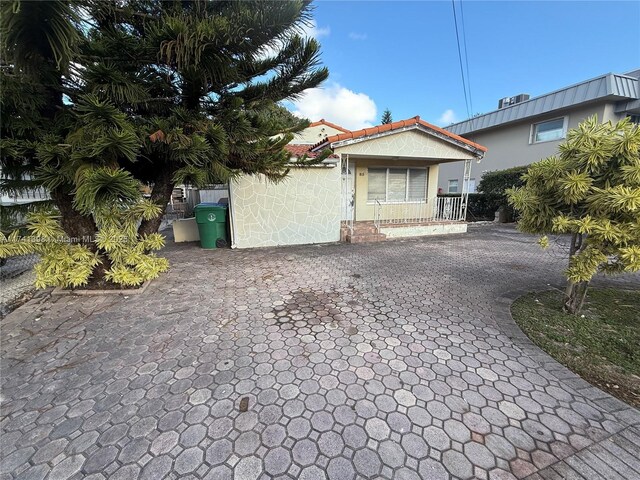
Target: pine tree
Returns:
[386, 116]
[155, 92]
[38, 41]
[203, 79]
[590, 191]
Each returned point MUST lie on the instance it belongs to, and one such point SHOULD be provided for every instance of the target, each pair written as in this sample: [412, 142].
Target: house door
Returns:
[348, 189]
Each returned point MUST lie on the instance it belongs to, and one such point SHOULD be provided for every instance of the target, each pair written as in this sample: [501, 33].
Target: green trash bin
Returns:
[212, 224]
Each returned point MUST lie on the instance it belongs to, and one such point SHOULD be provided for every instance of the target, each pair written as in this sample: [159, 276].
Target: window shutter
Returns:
[377, 183]
[417, 185]
[397, 185]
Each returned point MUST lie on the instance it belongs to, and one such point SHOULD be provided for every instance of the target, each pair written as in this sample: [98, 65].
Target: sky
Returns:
[403, 55]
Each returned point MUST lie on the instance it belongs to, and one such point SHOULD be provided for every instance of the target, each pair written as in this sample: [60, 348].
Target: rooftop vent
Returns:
[508, 101]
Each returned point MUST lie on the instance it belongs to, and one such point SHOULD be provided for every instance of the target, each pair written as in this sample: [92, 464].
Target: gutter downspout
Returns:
[232, 222]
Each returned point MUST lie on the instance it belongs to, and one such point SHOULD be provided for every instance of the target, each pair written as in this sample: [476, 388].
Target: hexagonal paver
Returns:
[305, 452]
[457, 431]
[158, 467]
[193, 435]
[312, 473]
[512, 410]
[277, 461]
[405, 397]
[322, 421]
[102, 457]
[341, 468]
[480, 455]
[299, 427]
[67, 468]
[367, 463]
[248, 468]
[246, 444]
[189, 460]
[273, 435]
[354, 436]
[391, 454]
[500, 446]
[457, 464]
[432, 469]
[330, 444]
[164, 442]
[436, 438]
[377, 429]
[395, 360]
[219, 451]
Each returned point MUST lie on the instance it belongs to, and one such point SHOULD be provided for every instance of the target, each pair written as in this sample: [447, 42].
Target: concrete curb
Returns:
[124, 291]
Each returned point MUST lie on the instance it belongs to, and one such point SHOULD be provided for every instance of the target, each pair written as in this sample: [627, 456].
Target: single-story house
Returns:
[378, 182]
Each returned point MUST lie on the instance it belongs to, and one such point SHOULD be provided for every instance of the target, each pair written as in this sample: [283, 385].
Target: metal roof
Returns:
[614, 86]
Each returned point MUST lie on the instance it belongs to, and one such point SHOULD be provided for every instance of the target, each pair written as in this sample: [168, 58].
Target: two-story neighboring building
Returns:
[524, 130]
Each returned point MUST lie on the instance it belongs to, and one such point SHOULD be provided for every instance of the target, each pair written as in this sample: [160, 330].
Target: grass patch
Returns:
[602, 345]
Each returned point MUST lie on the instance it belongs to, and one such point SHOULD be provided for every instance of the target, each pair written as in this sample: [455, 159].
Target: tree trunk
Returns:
[575, 293]
[160, 194]
[574, 297]
[80, 228]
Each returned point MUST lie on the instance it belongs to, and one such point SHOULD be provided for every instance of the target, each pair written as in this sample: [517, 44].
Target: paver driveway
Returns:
[390, 360]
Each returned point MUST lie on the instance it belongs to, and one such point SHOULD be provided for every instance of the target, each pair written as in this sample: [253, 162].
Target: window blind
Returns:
[377, 184]
[417, 191]
[397, 186]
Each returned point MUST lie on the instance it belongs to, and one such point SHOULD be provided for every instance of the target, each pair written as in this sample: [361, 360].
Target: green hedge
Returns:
[493, 185]
[491, 194]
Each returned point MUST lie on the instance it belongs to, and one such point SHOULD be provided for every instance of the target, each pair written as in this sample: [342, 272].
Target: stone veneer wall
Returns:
[304, 208]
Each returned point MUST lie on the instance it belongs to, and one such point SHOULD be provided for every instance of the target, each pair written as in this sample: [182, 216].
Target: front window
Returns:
[471, 185]
[453, 186]
[397, 184]
[548, 131]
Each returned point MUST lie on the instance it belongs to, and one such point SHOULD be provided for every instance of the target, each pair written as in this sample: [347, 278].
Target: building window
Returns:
[453, 186]
[397, 184]
[548, 131]
[471, 185]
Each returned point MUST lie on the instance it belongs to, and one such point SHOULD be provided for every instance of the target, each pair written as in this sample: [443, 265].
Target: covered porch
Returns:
[390, 180]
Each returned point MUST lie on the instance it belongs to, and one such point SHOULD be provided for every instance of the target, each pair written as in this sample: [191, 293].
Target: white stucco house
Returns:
[378, 182]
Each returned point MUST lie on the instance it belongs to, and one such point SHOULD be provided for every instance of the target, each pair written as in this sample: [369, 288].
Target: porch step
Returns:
[362, 238]
[365, 230]
[362, 232]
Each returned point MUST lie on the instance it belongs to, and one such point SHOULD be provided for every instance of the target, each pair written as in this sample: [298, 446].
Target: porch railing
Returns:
[377, 214]
[438, 209]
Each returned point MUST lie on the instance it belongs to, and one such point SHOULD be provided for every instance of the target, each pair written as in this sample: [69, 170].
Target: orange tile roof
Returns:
[394, 126]
[299, 149]
[322, 121]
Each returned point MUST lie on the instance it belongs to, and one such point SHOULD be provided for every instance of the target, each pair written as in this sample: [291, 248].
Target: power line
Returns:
[464, 84]
[466, 57]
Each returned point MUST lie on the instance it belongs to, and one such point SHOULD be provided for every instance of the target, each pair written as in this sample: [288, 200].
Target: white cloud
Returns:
[337, 104]
[447, 118]
[357, 36]
[312, 30]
